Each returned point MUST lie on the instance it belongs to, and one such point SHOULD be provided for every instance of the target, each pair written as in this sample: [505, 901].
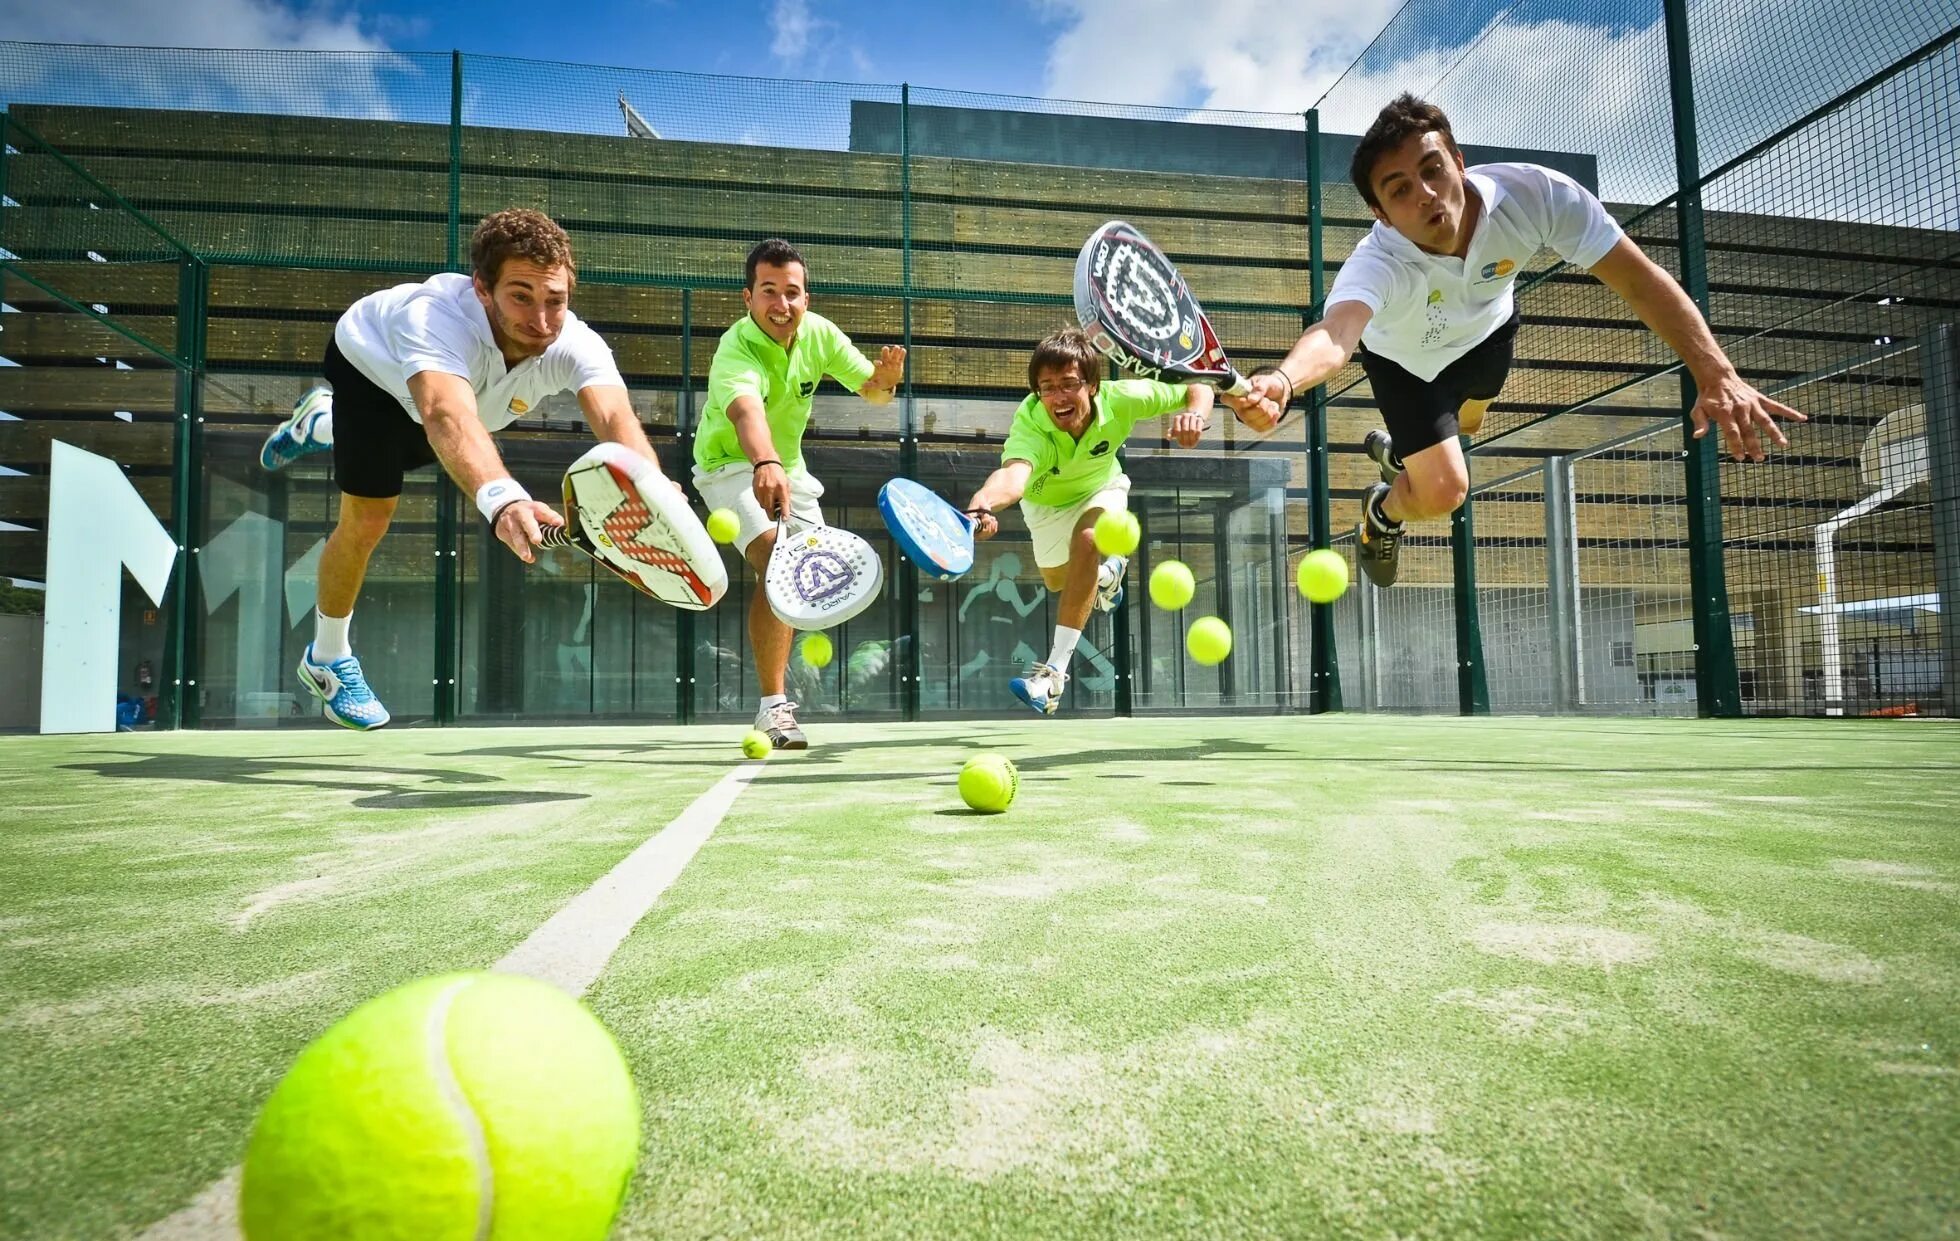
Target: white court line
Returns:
[569, 951]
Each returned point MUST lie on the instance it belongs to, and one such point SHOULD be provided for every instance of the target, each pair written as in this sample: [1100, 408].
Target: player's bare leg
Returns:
[328, 667]
[1041, 689]
[769, 643]
[1432, 484]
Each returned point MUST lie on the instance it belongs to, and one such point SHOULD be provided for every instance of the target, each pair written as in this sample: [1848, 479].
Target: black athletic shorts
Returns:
[1422, 414]
[375, 442]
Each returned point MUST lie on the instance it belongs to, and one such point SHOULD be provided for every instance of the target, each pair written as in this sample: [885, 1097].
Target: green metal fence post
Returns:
[448, 507]
[684, 434]
[1472, 688]
[906, 580]
[1718, 690]
[183, 654]
[1324, 674]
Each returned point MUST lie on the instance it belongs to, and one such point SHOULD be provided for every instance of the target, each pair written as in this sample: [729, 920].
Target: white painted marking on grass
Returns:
[573, 946]
[569, 951]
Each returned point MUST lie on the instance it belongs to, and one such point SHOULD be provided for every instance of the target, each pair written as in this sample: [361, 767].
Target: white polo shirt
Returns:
[439, 325]
[1431, 309]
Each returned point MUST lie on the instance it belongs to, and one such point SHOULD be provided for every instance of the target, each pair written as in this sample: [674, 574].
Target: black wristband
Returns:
[1284, 378]
[771, 461]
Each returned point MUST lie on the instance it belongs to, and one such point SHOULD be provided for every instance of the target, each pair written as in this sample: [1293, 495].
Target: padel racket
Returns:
[620, 511]
[1139, 313]
[932, 533]
[820, 576]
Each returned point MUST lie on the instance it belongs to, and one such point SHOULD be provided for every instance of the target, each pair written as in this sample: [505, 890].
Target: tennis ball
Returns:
[458, 1106]
[1117, 533]
[988, 782]
[1323, 575]
[755, 744]
[723, 525]
[1171, 585]
[1209, 641]
[817, 649]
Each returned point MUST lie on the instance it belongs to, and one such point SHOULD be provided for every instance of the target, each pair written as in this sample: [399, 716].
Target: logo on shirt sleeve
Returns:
[1498, 270]
[806, 388]
[518, 406]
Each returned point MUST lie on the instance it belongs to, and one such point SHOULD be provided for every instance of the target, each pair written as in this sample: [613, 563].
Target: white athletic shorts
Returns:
[733, 487]
[1052, 527]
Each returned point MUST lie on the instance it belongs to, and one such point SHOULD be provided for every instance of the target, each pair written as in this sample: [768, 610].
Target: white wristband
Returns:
[493, 496]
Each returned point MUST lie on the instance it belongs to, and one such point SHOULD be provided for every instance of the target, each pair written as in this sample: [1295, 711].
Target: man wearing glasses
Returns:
[1060, 462]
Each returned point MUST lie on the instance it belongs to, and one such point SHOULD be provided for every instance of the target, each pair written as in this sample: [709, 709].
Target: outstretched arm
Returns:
[1002, 488]
[609, 409]
[1187, 424]
[886, 375]
[447, 404]
[1721, 395]
[1321, 351]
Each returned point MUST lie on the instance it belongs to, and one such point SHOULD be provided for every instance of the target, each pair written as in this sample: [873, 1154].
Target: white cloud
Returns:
[261, 75]
[201, 23]
[793, 26]
[1554, 84]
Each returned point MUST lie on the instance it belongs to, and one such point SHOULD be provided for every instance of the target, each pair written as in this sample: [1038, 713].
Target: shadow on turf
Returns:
[380, 794]
[792, 769]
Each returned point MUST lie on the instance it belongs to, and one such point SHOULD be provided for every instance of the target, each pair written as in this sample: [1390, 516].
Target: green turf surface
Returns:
[1331, 976]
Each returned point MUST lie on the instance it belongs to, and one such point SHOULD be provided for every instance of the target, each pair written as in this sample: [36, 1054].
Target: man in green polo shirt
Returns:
[1060, 462]
[748, 451]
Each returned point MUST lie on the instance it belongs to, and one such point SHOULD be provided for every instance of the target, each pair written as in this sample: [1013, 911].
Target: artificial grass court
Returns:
[1331, 976]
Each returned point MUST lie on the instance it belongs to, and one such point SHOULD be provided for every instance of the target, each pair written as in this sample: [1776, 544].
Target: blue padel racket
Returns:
[932, 533]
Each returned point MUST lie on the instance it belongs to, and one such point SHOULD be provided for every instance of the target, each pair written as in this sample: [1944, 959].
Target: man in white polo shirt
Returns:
[1427, 297]
[424, 373]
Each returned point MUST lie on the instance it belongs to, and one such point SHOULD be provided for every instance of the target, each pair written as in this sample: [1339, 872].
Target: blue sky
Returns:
[1570, 75]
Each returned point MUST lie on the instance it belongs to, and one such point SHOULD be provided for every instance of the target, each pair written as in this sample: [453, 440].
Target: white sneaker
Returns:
[1041, 688]
[307, 431]
[779, 722]
[1109, 583]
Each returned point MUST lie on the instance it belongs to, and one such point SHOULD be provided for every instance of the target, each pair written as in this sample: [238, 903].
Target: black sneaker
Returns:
[1379, 547]
[1381, 450]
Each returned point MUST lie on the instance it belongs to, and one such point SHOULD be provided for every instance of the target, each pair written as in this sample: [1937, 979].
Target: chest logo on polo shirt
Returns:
[1435, 297]
[1498, 270]
[1100, 450]
[806, 387]
[518, 406]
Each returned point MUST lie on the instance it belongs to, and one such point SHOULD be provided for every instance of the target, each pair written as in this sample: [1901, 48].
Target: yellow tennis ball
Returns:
[1209, 641]
[723, 525]
[756, 744]
[1323, 575]
[817, 649]
[458, 1106]
[1171, 585]
[1117, 533]
[988, 782]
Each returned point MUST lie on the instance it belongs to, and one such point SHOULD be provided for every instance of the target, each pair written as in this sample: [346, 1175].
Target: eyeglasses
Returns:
[1068, 387]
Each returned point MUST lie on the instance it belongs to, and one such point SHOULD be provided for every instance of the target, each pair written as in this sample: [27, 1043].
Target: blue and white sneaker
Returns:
[308, 431]
[1109, 583]
[1041, 689]
[343, 690]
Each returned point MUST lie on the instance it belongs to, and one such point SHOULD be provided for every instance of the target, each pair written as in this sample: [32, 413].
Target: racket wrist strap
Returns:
[493, 497]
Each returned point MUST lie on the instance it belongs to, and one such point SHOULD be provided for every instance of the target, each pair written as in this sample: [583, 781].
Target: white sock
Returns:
[330, 640]
[1065, 640]
[773, 700]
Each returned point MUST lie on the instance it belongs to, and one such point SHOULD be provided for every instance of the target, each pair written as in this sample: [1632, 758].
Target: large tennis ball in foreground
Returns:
[1171, 585]
[756, 744]
[1323, 575]
[724, 525]
[466, 1105]
[1117, 533]
[1209, 641]
[988, 782]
